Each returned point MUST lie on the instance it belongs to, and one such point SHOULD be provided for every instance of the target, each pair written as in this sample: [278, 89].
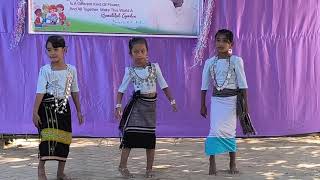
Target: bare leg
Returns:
[124, 157]
[41, 171]
[60, 172]
[150, 159]
[212, 166]
[123, 169]
[233, 166]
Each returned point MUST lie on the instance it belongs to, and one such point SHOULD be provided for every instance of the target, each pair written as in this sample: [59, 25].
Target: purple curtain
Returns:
[278, 40]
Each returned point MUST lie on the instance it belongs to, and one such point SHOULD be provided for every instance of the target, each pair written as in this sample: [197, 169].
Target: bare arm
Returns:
[75, 98]
[170, 98]
[119, 97]
[244, 93]
[35, 115]
[203, 110]
[119, 106]
[168, 93]
[203, 97]
[37, 102]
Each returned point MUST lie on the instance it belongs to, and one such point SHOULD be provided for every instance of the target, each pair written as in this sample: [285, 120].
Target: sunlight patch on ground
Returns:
[308, 165]
[277, 162]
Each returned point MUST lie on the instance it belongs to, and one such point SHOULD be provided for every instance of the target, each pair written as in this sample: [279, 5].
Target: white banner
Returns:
[116, 17]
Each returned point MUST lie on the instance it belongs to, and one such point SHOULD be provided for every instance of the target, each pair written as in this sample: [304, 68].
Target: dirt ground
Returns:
[98, 158]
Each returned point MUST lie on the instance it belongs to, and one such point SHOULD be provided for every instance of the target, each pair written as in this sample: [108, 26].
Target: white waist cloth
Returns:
[223, 118]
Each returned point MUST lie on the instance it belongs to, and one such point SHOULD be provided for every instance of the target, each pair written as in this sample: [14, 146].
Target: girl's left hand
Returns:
[80, 118]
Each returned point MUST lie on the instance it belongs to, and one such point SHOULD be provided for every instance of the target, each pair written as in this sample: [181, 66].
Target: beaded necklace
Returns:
[149, 80]
[60, 107]
[213, 74]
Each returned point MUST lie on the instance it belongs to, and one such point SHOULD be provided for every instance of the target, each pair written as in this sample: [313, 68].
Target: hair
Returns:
[137, 40]
[225, 32]
[37, 11]
[56, 41]
[52, 7]
[45, 7]
[60, 6]
[177, 3]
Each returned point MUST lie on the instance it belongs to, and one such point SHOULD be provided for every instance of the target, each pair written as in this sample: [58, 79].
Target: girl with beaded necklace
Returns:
[57, 81]
[227, 74]
[138, 120]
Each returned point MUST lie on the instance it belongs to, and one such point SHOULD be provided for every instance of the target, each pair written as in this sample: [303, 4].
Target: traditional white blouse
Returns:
[143, 79]
[237, 79]
[54, 81]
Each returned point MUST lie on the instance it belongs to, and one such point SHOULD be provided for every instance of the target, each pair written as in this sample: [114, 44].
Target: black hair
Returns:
[37, 10]
[56, 41]
[225, 32]
[137, 40]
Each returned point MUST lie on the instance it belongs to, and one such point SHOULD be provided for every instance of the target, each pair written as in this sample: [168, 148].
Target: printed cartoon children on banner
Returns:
[109, 17]
[50, 14]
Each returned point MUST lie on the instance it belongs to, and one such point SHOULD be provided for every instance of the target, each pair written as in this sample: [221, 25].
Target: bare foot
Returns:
[125, 172]
[149, 174]
[233, 169]
[63, 177]
[212, 171]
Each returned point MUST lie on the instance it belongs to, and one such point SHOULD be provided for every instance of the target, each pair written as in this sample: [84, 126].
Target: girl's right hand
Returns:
[36, 120]
[118, 113]
[203, 111]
